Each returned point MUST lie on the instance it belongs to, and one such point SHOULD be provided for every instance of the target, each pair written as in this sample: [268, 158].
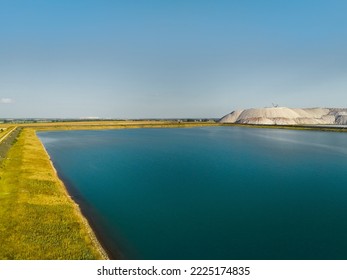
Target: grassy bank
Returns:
[38, 220]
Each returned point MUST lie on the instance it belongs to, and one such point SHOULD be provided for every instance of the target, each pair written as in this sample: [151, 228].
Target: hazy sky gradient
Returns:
[173, 58]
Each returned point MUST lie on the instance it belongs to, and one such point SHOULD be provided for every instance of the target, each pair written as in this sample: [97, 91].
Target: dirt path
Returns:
[7, 140]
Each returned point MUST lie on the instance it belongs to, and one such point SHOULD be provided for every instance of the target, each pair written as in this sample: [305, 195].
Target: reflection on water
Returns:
[318, 141]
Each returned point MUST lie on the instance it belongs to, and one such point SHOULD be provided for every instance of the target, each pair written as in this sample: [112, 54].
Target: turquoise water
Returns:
[209, 193]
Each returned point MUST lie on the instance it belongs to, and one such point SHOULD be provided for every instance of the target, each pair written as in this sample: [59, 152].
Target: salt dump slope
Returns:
[288, 116]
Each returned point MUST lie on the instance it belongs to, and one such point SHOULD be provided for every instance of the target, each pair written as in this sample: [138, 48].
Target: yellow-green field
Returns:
[38, 220]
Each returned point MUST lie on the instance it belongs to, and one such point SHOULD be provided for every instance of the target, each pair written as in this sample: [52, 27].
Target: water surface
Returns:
[209, 193]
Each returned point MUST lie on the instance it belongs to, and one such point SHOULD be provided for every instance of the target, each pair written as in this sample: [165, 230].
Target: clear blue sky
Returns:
[169, 58]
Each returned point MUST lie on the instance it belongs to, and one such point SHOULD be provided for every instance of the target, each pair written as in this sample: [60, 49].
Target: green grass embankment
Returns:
[38, 220]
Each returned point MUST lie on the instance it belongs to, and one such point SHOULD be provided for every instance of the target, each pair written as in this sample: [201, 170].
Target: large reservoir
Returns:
[208, 193]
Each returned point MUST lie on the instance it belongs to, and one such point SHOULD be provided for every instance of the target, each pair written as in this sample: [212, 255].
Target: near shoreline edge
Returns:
[77, 208]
